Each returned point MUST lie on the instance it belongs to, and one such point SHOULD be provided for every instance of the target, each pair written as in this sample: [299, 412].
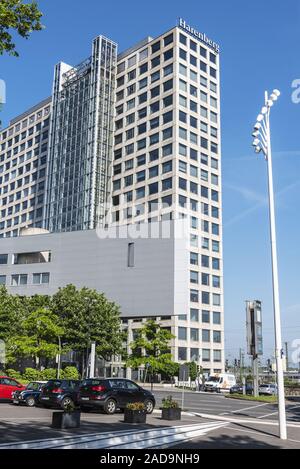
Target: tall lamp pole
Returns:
[262, 144]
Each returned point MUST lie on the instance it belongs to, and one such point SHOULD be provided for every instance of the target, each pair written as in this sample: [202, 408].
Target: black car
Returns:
[110, 394]
[238, 389]
[59, 393]
[30, 395]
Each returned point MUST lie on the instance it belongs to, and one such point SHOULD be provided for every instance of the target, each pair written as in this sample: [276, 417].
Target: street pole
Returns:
[287, 355]
[59, 357]
[93, 358]
[276, 301]
[255, 376]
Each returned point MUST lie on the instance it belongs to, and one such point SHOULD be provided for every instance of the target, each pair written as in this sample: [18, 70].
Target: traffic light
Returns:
[235, 362]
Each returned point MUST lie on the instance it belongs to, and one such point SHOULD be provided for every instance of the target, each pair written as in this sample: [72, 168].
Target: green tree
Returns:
[17, 16]
[39, 340]
[151, 349]
[87, 316]
[12, 313]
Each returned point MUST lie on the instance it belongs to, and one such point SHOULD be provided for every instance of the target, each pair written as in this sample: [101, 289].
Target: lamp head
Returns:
[257, 149]
[277, 93]
[257, 126]
[260, 117]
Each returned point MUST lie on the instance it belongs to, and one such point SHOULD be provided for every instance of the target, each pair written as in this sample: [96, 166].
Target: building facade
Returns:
[167, 166]
[23, 162]
[81, 141]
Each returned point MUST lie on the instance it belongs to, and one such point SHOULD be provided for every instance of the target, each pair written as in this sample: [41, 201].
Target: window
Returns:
[182, 133]
[194, 335]
[143, 54]
[155, 92]
[140, 192]
[153, 172]
[19, 279]
[155, 62]
[130, 255]
[217, 337]
[205, 335]
[216, 317]
[193, 60]
[182, 85]
[167, 117]
[205, 355]
[205, 317]
[168, 54]
[182, 354]
[2, 279]
[168, 101]
[194, 296]
[155, 47]
[205, 261]
[143, 68]
[154, 107]
[168, 70]
[205, 279]
[182, 184]
[194, 258]
[216, 281]
[167, 184]
[167, 167]
[214, 212]
[182, 39]
[215, 246]
[216, 299]
[42, 278]
[182, 333]
[168, 39]
[194, 314]
[3, 259]
[205, 298]
[168, 85]
[153, 188]
[194, 277]
[182, 150]
[215, 229]
[216, 263]
[217, 356]
[140, 176]
[155, 76]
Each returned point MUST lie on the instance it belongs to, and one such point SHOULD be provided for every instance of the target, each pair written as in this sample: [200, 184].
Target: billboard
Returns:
[254, 328]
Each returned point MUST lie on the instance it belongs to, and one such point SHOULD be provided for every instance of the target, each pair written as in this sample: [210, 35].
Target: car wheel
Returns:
[30, 401]
[66, 402]
[110, 406]
[149, 406]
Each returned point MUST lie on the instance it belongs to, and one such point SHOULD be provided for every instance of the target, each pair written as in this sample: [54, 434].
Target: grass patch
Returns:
[268, 399]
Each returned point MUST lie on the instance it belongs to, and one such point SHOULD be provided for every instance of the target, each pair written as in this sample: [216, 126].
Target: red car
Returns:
[7, 386]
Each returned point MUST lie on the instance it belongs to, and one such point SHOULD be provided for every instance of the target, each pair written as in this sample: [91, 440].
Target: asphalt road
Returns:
[216, 404]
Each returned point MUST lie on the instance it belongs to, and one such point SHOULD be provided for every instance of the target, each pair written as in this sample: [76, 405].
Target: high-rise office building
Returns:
[23, 160]
[81, 141]
[167, 166]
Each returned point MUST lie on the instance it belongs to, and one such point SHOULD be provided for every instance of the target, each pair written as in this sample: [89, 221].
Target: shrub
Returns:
[30, 374]
[48, 373]
[169, 403]
[70, 372]
[13, 374]
[136, 406]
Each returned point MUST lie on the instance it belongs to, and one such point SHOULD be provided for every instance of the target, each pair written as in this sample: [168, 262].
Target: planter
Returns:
[66, 420]
[135, 416]
[171, 414]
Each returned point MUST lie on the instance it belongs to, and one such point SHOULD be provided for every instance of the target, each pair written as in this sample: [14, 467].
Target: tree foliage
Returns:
[19, 17]
[151, 348]
[11, 314]
[39, 338]
[88, 316]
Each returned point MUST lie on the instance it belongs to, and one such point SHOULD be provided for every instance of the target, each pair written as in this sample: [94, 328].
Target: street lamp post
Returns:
[262, 143]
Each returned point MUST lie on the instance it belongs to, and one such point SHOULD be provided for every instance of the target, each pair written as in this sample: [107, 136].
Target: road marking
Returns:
[267, 415]
[243, 420]
[249, 408]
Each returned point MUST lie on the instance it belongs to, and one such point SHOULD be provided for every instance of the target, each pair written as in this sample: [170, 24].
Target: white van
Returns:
[220, 382]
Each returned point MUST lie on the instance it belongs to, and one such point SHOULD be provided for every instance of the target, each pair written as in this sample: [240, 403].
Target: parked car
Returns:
[238, 389]
[110, 394]
[30, 395]
[59, 393]
[8, 386]
[267, 389]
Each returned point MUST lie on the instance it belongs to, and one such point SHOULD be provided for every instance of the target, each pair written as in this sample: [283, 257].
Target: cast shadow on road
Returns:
[228, 442]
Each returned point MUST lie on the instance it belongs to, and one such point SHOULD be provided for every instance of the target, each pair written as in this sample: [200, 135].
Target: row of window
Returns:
[196, 93]
[194, 334]
[21, 206]
[206, 316]
[204, 355]
[23, 158]
[206, 279]
[23, 193]
[206, 298]
[22, 125]
[145, 81]
[22, 279]
[143, 97]
[186, 41]
[26, 217]
[195, 62]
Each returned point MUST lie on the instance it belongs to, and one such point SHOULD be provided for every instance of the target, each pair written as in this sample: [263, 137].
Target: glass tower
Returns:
[81, 141]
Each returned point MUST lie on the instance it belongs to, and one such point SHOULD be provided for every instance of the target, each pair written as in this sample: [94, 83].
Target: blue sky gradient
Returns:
[259, 50]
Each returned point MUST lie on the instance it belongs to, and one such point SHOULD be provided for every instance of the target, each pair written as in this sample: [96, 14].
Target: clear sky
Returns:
[259, 50]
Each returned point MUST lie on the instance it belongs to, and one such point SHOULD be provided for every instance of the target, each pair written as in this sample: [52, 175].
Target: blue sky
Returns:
[259, 50]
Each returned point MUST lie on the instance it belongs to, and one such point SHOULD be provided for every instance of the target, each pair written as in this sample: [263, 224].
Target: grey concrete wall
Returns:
[158, 284]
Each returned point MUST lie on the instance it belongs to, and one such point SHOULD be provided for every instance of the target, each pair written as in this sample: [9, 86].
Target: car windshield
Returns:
[33, 386]
[53, 384]
[214, 379]
[264, 385]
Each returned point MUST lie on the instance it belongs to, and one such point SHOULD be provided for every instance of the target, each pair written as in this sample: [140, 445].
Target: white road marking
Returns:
[249, 408]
